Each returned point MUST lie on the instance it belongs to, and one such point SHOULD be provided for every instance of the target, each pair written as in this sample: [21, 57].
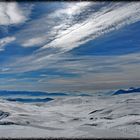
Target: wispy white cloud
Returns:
[91, 73]
[96, 73]
[48, 25]
[34, 42]
[5, 41]
[108, 19]
[11, 13]
[70, 9]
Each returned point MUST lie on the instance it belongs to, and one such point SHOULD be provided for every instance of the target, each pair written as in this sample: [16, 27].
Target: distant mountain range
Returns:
[4, 93]
[29, 93]
[32, 96]
[130, 90]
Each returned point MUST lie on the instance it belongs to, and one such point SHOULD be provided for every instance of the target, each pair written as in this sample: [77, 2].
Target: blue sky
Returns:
[69, 46]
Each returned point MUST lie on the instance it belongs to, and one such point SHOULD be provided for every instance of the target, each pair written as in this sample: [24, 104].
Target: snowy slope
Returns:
[98, 116]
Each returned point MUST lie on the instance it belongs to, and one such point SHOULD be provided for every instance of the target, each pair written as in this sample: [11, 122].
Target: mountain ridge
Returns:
[30, 93]
[127, 91]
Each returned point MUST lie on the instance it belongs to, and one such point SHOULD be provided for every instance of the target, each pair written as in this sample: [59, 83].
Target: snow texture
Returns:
[73, 117]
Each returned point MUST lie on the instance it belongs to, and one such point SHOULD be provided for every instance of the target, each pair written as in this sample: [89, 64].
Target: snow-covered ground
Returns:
[104, 116]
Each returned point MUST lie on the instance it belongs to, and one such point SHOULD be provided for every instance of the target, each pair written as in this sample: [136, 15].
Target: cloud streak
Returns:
[5, 41]
[98, 24]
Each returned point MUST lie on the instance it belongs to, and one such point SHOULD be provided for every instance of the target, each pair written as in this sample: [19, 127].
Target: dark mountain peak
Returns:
[124, 91]
[132, 88]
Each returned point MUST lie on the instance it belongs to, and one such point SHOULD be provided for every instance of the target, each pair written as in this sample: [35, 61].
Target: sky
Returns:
[69, 46]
